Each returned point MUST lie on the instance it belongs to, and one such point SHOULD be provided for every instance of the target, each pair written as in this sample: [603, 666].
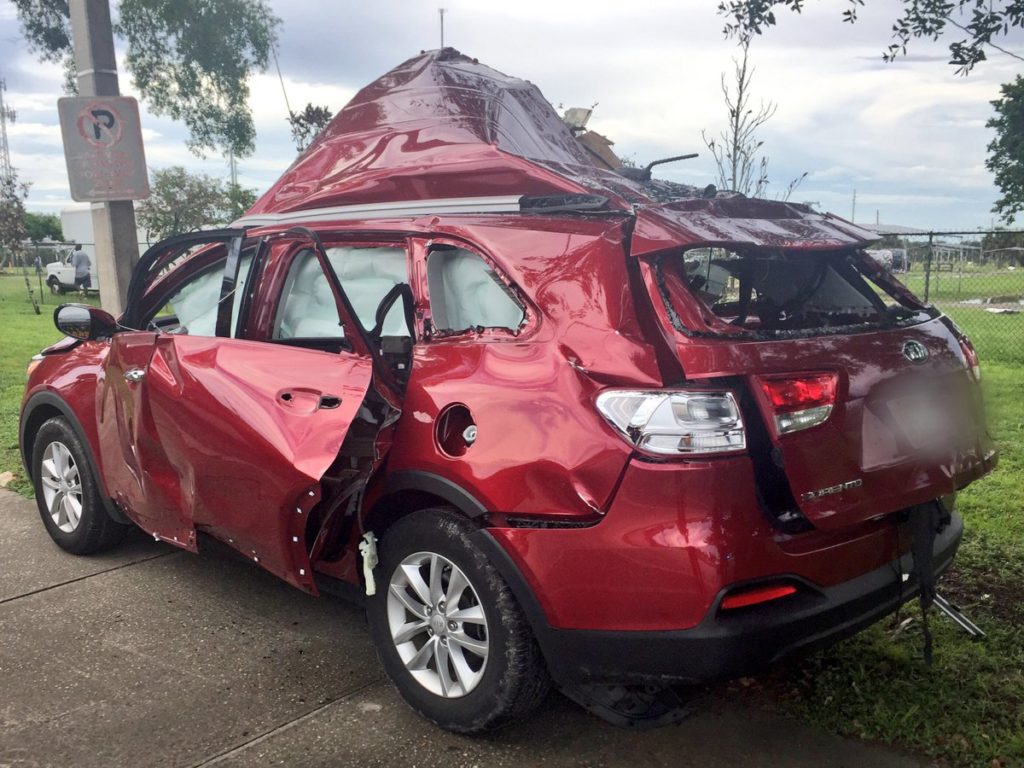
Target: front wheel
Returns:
[67, 493]
[448, 631]
[55, 286]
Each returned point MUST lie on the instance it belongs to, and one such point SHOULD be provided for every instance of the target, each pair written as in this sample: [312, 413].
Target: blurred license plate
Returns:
[923, 421]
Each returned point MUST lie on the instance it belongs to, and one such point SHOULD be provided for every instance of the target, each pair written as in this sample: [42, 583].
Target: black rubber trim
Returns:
[428, 482]
[156, 258]
[725, 644]
[353, 594]
[50, 399]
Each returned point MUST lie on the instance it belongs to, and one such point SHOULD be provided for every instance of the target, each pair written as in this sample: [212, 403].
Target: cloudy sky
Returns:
[909, 137]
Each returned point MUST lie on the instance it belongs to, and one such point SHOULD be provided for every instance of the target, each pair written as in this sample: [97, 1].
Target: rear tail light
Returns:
[757, 595]
[674, 422]
[972, 358]
[802, 401]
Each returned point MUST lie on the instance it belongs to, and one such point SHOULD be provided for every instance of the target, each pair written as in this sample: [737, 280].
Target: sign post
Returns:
[103, 147]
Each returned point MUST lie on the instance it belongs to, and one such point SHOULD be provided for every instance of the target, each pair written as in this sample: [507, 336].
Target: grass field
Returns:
[966, 284]
[967, 710]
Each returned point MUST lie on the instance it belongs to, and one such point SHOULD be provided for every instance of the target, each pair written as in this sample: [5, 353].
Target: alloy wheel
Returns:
[62, 486]
[437, 624]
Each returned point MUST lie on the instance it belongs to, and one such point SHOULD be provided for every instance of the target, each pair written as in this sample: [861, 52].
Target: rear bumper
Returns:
[731, 644]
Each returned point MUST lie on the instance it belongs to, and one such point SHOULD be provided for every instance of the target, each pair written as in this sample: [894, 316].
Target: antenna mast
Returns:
[441, 12]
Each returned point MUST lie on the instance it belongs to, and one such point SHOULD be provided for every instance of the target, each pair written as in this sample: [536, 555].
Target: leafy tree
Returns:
[40, 226]
[1006, 152]
[181, 202]
[12, 217]
[238, 199]
[980, 22]
[190, 59]
[307, 124]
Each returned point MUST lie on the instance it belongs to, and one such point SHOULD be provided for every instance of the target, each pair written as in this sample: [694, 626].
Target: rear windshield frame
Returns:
[862, 273]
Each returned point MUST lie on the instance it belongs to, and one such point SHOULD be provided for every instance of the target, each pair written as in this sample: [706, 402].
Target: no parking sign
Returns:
[103, 148]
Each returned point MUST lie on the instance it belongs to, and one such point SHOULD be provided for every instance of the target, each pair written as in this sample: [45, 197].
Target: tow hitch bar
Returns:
[955, 614]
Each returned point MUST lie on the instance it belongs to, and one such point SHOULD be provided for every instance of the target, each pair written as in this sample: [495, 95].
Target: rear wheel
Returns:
[67, 493]
[448, 630]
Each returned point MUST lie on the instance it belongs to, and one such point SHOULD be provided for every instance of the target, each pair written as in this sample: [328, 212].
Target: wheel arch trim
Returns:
[436, 485]
[52, 400]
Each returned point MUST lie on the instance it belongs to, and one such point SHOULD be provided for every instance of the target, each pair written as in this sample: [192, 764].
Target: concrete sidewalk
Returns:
[153, 657]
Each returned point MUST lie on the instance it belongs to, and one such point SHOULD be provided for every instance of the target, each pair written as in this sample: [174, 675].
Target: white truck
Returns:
[60, 274]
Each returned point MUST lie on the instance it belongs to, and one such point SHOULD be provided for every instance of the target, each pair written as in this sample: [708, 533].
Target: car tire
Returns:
[479, 691]
[55, 287]
[67, 492]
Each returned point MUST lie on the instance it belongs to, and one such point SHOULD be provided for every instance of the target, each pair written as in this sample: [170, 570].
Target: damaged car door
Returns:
[227, 435]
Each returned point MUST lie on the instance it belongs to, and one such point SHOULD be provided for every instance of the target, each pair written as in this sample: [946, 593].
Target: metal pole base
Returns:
[954, 613]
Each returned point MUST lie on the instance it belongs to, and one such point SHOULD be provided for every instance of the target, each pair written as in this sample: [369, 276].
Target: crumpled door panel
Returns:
[250, 429]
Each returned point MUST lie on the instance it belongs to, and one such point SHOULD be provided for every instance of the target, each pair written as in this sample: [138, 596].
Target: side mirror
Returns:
[80, 321]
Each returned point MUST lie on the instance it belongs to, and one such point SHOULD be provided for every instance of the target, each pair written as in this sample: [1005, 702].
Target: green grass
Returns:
[967, 710]
[22, 334]
[969, 283]
[998, 338]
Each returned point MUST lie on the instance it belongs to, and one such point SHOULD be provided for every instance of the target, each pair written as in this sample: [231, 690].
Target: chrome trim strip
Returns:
[450, 205]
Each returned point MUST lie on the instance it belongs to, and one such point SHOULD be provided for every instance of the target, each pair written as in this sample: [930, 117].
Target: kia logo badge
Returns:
[915, 352]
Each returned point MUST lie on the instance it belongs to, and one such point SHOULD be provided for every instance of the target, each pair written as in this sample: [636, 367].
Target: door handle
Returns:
[134, 376]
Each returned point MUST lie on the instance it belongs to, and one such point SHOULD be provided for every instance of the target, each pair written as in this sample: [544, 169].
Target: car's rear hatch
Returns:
[866, 401]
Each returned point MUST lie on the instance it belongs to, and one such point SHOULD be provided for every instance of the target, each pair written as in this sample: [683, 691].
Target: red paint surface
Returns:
[205, 443]
[674, 537]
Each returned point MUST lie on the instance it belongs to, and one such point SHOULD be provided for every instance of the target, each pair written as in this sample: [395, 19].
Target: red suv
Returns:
[556, 424]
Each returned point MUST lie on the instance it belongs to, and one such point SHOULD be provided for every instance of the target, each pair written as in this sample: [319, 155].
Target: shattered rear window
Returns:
[779, 293]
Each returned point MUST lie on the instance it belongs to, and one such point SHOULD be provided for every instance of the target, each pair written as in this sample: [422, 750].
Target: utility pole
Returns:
[6, 113]
[441, 12]
[113, 223]
[853, 212]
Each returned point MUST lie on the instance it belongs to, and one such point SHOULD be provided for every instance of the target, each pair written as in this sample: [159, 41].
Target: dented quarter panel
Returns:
[532, 396]
[669, 544]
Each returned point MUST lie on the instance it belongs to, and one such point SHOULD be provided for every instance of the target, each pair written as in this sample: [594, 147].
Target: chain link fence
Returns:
[45, 269]
[977, 278]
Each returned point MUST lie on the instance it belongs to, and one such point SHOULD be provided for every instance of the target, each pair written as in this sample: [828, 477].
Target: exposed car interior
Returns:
[466, 293]
[772, 290]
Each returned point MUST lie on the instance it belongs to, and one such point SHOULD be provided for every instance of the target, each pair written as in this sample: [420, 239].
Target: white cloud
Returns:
[909, 136]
